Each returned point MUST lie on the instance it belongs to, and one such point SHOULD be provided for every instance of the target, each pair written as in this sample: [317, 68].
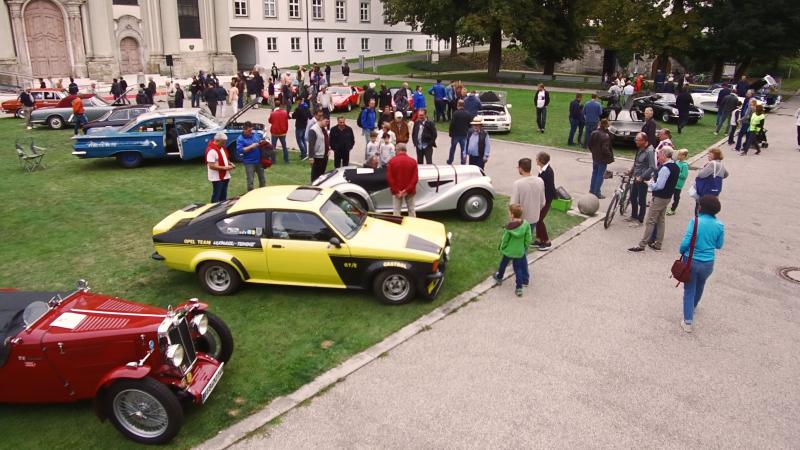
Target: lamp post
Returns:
[308, 37]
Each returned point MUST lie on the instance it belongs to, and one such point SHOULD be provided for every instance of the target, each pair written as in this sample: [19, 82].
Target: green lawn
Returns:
[91, 219]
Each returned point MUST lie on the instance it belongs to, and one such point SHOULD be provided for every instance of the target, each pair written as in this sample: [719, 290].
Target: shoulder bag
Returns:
[682, 269]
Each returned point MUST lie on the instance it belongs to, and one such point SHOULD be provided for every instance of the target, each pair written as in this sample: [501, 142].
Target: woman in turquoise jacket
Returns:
[710, 237]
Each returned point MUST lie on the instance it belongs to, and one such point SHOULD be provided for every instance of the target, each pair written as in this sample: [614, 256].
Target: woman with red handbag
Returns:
[698, 250]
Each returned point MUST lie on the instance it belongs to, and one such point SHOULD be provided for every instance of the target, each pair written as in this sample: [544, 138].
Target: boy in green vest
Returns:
[513, 246]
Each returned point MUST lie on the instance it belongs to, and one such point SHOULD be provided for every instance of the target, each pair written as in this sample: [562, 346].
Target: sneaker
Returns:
[30, 128]
[518, 292]
[536, 244]
[671, 212]
[716, 134]
[304, 158]
[687, 327]
[636, 224]
[653, 246]
[601, 196]
[543, 247]
[497, 280]
[636, 249]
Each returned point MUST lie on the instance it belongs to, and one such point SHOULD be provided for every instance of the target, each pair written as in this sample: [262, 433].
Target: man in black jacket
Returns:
[384, 97]
[459, 130]
[650, 127]
[123, 91]
[28, 103]
[342, 141]
[575, 119]
[683, 101]
[370, 94]
[424, 137]
[542, 241]
[178, 96]
[210, 95]
[151, 91]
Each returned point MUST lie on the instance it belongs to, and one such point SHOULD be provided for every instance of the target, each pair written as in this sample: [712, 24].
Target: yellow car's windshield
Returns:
[343, 214]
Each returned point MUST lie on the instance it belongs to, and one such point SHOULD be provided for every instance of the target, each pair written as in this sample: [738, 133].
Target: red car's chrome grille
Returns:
[102, 323]
[116, 305]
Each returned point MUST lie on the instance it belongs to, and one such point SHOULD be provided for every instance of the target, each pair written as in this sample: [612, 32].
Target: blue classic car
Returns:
[168, 133]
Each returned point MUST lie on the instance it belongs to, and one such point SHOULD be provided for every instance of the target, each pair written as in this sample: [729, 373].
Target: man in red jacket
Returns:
[402, 175]
[279, 126]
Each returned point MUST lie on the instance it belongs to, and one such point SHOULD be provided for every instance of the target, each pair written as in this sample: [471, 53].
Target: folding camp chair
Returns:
[32, 160]
[37, 151]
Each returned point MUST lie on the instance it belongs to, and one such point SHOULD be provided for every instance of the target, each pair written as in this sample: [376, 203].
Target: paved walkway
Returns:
[592, 355]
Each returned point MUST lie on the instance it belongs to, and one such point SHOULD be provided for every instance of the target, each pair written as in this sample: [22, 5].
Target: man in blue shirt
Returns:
[247, 149]
[592, 111]
[473, 103]
[662, 189]
[439, 93]
[575, 120]
[478, 145]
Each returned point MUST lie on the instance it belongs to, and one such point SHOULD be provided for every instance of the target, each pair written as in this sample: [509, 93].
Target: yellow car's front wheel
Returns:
[394, 287]
[218, 278]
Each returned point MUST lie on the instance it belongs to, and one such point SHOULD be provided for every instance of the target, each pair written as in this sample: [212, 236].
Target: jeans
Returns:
[282, 139]
[742, 134]
[520, 265]
[655, 222]
[195, 100]
[80, 120]
[476, 161]
[589, 127]
[366, 132]
[454, 141]
[693, 289]
[541, 117]
[721, 119]
[300, 135]
[219, 190]
[249, 169]
[240, 102]
[732, 133]
[425, 154]
[397, 204]
[541, 228]
[598, 171]
[798, 135]
[439, 105]
[638, 200]
[341, 158]
[573, 127]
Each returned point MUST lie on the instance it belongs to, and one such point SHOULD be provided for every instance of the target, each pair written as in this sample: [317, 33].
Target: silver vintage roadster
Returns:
[440, 188]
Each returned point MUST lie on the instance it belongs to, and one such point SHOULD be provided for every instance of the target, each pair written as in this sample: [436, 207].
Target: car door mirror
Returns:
[334, 242]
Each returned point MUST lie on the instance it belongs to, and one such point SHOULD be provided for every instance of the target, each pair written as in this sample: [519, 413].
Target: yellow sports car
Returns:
[304, 236]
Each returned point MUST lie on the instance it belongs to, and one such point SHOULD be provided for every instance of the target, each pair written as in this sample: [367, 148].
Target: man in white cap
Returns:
[219, 167]
[478, 145]
[399, 127]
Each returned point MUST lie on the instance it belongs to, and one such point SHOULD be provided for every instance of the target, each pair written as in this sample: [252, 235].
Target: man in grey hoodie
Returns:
[726, 106]
[644, 165]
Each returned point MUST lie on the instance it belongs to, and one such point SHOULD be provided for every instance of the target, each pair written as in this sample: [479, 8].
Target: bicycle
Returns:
[620, 199]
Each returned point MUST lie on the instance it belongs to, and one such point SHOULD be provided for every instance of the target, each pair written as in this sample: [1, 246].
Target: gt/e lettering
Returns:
[350, 265]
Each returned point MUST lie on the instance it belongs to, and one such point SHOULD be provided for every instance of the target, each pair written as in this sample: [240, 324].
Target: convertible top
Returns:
[12, 304]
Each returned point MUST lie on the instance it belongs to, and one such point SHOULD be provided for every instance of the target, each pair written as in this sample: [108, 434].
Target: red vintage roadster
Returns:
[137, 362]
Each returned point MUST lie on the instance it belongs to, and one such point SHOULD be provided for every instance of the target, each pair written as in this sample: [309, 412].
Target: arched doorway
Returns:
[243, 47]
[47, 40]
[130, 56]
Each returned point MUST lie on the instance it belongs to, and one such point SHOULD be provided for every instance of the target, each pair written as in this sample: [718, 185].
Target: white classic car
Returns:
[494, 110]
[440, 188]
[707, 101]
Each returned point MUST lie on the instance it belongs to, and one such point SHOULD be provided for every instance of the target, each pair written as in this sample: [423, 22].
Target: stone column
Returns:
[207, 27]
[224, 61]
[170, 33]
[18, 28]
[101, 63]
[8, 57]
[76, 38]
[151, 26]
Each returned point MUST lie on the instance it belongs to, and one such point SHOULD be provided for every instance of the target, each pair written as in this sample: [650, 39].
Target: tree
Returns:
[553, 30]
[747, 32]
[438, 18]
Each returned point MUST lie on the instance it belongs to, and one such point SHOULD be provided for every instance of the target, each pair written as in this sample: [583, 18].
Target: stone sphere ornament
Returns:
[588, 205]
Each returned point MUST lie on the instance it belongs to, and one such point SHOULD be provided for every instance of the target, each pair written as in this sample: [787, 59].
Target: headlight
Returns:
[175, 354]
[675, 111]
[200, 323]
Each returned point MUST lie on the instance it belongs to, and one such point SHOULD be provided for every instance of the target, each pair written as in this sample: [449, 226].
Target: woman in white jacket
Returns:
[797, 122]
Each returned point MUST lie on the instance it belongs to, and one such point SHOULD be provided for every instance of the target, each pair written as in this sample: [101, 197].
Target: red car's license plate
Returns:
[212, 384]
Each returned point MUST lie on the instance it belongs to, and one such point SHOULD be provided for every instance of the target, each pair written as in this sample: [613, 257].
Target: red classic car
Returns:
[345, 98]
[136, 361]
[41, 97]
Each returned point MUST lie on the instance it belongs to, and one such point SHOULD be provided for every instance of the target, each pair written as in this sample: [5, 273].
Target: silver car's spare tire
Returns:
[144, 410]
[475, 204]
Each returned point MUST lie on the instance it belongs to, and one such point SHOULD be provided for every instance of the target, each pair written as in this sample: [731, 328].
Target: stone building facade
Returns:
[101, 39]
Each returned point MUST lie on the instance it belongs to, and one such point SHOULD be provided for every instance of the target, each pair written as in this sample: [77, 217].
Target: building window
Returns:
[427, 44]
[317, 10]
[364, 44]
[294, 9]
[189, 19]
[272, 44]
[388, 44]
[341, 10]
[269, 8]
[364, 11]
[295, 44]
[240, 8]
[317, 44]
[340, 44]
[126, 2]
[409, 44]
[447, 44]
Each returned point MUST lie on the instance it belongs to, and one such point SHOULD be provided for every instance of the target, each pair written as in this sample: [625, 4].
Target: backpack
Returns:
[359, 120]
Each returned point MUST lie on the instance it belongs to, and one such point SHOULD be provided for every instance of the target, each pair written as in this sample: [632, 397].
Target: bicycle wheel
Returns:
[624, 200]
[612, 209]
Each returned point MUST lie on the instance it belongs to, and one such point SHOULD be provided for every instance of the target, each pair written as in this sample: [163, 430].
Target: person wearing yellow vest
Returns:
[756, 126]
